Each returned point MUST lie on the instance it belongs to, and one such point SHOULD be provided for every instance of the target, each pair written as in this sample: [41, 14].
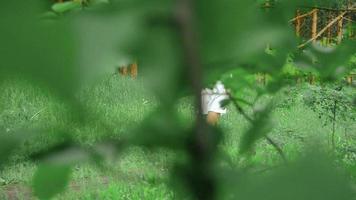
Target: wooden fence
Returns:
[129, 70]
[328, 26]
[324, 24]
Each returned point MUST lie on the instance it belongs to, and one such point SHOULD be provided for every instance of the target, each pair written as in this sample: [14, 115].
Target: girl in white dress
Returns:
[211, 102]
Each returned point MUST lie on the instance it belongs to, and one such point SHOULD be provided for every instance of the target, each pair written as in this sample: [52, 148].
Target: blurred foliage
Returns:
[311, 178]
[65, 49]
[50, 180]
[330, 62]
[66, 6]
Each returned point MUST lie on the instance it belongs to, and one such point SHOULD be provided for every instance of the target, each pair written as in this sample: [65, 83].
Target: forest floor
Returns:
[140, 173]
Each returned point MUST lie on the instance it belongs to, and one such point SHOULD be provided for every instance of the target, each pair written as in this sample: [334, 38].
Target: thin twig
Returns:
[277, 147]
[261, 171]
[240, 109]
[348, 19]
[269, 140]
[243, 101]
[36, 114]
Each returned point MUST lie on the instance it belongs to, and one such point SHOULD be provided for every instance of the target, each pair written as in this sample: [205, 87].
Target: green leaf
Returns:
[240, 32]
[310, 178]
[50, 180]
[66, 6]
[225, 103]
[238, 79]
[104, 41]
[161, 57]
[161, 129]
[330, 62]
[260, 127]
[43, 52]
[95, 2]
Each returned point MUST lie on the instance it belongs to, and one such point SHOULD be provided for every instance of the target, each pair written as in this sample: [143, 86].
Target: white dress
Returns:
[212, 98]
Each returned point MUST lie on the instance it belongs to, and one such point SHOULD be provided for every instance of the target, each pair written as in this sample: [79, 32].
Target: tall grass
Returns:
[119, 105]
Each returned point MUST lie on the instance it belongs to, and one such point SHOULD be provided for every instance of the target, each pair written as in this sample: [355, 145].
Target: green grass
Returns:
[120, 105]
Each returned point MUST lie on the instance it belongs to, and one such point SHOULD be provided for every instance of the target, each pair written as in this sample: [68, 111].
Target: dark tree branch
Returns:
[240, 109]
[200, 147]
[277, 147]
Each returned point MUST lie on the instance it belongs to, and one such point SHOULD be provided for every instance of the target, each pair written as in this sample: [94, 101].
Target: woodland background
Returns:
[74, 125]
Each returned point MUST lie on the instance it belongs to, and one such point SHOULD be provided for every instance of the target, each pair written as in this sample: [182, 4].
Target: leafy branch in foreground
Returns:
[254, 134]
[174, 39]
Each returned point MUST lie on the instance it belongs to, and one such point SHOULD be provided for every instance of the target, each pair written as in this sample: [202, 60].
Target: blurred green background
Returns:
[72, 127]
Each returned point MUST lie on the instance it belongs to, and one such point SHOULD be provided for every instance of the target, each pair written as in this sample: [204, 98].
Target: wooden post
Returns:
[261, 78]
[123, 70]
[264, 79]
[314, 24]
[258, 78]
[298, 24]
[349, 80]
[133, 70]
[311, 79]
[340, 29]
